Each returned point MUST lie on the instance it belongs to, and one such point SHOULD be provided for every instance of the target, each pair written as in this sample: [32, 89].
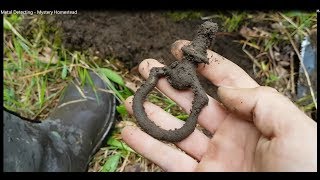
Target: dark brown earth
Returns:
[181, 75]
[135, 36]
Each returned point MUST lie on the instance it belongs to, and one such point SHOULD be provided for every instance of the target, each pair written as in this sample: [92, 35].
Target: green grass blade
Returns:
[25, 47]
[43, 90]
[8, 25]
[183, 117]
[64, 71]
[112, 75]
[112, 163]
[121, 109]
[81, 75]
[88, 78]
[169, 106]
[118, 144]
[165, 99]
[126, 92]
[18, 51]
[110, 85]
[8, 96]
[29, 90]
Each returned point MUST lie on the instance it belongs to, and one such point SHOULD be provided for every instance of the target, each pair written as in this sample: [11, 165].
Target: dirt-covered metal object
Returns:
[181, 75]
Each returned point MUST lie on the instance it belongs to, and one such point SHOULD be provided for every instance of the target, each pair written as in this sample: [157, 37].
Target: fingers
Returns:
[185, 98]
[176, 48]
[168, 158]
[220, 71]
[195, 145]
[271, 112]
[232, 147]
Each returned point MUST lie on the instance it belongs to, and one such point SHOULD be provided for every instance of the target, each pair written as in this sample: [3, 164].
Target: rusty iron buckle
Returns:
[181, 75]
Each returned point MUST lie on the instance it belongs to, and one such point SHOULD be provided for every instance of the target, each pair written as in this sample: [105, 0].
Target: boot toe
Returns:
[89, 112]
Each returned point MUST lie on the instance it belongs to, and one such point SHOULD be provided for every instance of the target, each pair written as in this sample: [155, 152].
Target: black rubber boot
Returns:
[68, 138]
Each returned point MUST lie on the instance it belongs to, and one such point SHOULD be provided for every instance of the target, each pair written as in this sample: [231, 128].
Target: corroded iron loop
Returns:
[150, 127]
[181, 75]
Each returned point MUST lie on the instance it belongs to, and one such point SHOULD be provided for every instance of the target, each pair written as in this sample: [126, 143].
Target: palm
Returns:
[234, 147]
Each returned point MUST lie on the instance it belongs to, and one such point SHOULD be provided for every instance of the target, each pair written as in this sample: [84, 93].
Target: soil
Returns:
[135, 36]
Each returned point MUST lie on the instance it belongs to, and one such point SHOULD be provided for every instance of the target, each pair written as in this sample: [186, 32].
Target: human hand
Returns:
[256, 128]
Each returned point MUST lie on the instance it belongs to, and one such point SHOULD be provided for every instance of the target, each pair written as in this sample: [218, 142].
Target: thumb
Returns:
[271, 112]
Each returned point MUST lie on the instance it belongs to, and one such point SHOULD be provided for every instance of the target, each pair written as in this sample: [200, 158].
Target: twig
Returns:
[303, 67]
[250, 44]
[106, 91]
[209, 17]
[124, 162]
[8, 24]
[80, 91]
[293, 24]
[293, 91]
[40, 73]
[71, 102]
[44, 107]
[49, 70]
[254, 60]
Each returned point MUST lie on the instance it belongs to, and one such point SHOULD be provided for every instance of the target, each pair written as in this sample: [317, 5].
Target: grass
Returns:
[37, 68]
[183, 15]
[269, 42]
[167, 104]
[27, 87]
[233, 22]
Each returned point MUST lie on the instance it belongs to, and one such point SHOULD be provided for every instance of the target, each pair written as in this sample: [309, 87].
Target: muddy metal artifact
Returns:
[181, 75]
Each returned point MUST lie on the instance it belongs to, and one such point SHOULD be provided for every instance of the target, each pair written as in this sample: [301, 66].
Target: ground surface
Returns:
[133, 37]
[43, 53]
